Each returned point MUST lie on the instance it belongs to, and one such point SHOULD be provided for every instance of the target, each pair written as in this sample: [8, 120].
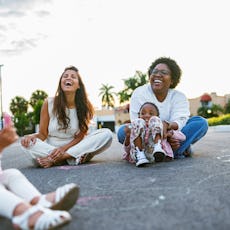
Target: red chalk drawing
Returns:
[68, 167]
[87, 199]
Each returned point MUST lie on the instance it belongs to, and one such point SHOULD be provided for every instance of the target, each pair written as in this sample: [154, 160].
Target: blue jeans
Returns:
[195, 128]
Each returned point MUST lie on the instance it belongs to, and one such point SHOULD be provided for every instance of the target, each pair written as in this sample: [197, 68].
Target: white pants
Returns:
[15, 188]
[94, 143]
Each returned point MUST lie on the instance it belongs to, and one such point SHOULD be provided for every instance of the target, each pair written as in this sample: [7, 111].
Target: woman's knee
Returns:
[196, 128]
[108, 135]
[200, 122]
[121, 133]
[105, 135]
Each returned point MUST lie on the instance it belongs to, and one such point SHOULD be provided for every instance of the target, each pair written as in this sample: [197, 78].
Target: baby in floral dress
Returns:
[144, 141]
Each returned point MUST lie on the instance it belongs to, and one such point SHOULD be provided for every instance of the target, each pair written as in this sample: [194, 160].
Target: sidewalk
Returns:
[192, 193]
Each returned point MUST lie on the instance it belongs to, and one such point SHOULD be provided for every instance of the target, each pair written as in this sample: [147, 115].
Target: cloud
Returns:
[11, 13]
[42, 13]
[16, 8]
[16, 17]
[3, 28]
[21, 4]
[17, 47]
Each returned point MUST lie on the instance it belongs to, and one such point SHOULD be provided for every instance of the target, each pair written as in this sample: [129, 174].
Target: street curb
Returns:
[219, 128]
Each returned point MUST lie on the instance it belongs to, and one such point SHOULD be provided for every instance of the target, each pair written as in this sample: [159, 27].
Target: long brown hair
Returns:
[84, 108]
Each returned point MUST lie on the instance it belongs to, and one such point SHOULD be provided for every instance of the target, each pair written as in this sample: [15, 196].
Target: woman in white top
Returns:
[164, 75]
[63, 135]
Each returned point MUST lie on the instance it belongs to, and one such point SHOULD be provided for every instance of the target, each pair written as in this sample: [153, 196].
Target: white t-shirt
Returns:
[175, 107]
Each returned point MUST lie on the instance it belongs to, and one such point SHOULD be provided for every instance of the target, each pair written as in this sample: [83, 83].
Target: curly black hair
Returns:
[175, 69]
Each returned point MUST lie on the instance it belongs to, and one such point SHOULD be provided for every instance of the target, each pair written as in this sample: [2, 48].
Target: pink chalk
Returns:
[6, 119]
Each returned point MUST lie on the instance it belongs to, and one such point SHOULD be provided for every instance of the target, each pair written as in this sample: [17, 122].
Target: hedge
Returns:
[221, 120]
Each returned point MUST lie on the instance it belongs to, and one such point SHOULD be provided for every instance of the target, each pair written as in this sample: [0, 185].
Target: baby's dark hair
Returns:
[150, 103]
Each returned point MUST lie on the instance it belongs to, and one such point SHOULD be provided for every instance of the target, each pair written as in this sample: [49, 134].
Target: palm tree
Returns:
[131, 84]
[107, 97]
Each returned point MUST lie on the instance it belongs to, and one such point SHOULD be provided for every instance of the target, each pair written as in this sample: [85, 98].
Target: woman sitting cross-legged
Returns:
[63, 135]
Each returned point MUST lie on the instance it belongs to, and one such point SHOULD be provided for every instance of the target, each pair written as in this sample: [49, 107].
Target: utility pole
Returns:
[1, 107]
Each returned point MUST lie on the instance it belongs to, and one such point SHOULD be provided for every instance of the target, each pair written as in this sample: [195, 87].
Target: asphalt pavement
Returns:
[191, 193]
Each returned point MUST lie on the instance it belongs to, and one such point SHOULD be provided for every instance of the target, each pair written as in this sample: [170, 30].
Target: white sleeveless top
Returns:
[60, 137]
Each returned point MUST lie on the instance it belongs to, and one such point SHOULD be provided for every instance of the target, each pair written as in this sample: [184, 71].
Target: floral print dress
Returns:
[147, 132]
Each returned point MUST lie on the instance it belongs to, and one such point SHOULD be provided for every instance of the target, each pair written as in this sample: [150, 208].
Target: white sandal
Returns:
[49, 219]
[65, 198]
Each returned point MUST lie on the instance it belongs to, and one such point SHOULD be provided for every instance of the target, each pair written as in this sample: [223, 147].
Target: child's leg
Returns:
[18, 184]
[137, 134]
[10, 202]
[156, 127]
[136, 142]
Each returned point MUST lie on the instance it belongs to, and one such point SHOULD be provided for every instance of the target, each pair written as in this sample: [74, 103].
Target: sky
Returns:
[109, 40]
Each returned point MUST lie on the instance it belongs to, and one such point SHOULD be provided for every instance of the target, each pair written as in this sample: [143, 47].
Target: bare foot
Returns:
[45, 162]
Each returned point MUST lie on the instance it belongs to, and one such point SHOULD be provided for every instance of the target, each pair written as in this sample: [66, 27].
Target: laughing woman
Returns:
[63, 136]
